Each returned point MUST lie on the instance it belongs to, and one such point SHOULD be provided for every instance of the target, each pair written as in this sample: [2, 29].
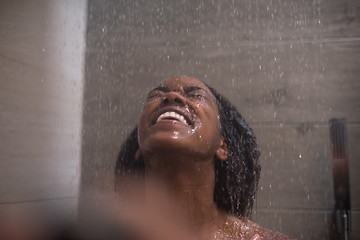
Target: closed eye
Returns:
[154, 95]
[196, 92]
[196, 95]
[157, 92]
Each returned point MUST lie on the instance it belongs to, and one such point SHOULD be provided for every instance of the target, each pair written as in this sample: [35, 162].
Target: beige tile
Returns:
[40, 100]
[36, 151]
[23, 31]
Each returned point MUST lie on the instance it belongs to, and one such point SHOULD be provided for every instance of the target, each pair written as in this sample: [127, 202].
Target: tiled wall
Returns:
[289, 66]
[42, 45]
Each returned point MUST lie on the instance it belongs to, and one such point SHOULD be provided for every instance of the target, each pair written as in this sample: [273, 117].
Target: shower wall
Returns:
[42, 45]
[288, 66]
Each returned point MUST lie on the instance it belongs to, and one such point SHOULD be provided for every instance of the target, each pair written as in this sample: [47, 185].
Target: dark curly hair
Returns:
[236, 179]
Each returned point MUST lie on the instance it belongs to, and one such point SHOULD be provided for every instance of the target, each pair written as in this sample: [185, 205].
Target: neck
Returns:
[187, 182]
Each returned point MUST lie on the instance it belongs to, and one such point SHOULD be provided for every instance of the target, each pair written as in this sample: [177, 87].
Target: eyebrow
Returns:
[194, 88]
[162, 89]
[186, 89]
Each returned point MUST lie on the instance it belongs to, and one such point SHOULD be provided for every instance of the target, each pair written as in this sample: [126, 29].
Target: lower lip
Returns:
[170, 121]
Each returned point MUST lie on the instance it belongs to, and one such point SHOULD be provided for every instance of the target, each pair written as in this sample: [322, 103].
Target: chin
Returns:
[168, 144]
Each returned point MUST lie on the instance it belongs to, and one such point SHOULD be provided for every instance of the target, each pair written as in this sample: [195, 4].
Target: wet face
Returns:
[180, 116]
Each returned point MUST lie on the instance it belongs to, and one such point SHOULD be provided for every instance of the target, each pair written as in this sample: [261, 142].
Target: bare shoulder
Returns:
[266, 233]
[246, 229]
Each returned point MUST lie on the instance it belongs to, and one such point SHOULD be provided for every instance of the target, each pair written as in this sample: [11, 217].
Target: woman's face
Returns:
[181, 116]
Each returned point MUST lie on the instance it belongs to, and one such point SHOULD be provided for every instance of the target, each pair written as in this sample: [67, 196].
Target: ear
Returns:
[138, 155]
[222, 151]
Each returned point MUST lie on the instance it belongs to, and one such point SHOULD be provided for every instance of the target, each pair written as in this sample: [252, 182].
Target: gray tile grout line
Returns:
[296, 124]
[228, 45]
[17, 61]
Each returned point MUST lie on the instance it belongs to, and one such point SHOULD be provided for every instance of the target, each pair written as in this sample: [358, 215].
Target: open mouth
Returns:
[172, 116]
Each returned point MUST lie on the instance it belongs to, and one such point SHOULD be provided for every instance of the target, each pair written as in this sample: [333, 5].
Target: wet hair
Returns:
[236, 179]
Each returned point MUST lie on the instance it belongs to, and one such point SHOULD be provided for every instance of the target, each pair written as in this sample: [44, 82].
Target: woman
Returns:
[195, 143]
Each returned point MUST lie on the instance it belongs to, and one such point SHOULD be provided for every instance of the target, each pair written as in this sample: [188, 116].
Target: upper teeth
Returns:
[172, 115]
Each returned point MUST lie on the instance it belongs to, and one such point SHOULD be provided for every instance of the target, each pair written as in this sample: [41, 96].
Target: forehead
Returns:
[178, 83]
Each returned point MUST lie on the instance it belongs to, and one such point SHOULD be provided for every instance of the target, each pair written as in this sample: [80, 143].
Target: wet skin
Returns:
[189, 97]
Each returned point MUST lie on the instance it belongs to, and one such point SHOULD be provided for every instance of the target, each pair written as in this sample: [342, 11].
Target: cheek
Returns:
[211, 125]
[143, 125]
[212, 116]
[146, 112]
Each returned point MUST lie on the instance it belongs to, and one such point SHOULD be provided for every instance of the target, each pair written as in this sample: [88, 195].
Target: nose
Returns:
[174, 97]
